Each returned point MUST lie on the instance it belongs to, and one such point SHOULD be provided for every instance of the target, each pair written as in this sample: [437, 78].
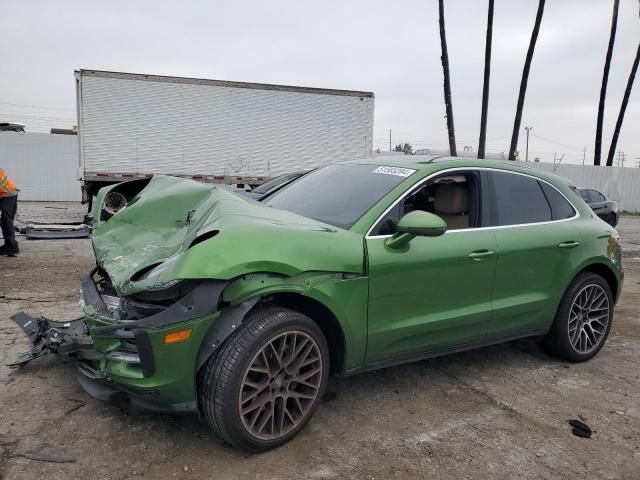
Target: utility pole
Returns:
[584, 155]
[558, 160]
[526, 155]
[389, 139]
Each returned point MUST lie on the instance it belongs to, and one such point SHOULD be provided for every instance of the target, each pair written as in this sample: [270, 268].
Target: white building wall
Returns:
[621, 184]
[43, 166]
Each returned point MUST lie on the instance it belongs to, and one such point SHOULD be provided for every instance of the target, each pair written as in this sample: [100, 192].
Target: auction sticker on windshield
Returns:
[400, 172]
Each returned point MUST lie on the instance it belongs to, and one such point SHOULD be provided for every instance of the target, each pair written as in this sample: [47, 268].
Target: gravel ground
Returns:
[498, 412]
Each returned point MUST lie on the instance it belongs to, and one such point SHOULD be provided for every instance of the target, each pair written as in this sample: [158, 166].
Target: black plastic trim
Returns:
[92, 296]
[145, 352]
[443, 351]
[129, 397]
[201, 301]
[229, 321]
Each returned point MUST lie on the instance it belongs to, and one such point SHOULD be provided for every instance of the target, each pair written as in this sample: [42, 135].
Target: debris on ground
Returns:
[76, 405]
[43, 457]
[56, 231]
[580, 429]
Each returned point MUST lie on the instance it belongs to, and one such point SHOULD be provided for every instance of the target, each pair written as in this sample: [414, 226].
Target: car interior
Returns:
[454, 198]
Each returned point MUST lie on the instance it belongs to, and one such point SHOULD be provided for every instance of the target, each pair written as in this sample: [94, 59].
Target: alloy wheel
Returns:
[280, 385]
[589, 318]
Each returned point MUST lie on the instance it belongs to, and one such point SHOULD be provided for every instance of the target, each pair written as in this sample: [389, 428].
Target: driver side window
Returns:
[453, 197]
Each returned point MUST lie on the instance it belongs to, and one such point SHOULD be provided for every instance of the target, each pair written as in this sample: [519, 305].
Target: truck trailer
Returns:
[135, 125]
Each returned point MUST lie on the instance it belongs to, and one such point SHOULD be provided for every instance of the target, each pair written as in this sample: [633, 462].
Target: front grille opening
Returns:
[128, 345]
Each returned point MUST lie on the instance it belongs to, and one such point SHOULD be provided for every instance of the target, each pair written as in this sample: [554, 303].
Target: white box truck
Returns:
[134, 126]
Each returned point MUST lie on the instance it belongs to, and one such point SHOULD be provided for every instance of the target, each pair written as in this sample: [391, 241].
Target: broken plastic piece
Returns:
[45, 232]
[580, 429]
[48, 336]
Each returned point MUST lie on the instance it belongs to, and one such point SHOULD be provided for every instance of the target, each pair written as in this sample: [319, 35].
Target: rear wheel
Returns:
[264, 385]
[583, 320]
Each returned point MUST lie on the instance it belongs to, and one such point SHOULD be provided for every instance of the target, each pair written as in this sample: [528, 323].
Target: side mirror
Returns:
[417, 224]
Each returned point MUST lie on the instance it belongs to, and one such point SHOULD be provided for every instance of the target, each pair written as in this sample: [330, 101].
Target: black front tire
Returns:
[558, 341]
[612, 219]
[222, 379]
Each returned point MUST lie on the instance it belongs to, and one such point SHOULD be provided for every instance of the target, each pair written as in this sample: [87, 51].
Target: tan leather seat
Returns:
[451, 202]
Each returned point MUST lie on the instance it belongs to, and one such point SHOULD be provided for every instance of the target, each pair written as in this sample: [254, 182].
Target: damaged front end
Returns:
[141, 350]
[153, 312]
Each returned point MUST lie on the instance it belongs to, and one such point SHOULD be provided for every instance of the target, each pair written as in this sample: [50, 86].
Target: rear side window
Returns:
[519, 199]
[585, 195]
[560, 207]
[596, 196]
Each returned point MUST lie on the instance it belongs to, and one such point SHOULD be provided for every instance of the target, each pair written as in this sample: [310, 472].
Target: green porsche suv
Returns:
[206, 302]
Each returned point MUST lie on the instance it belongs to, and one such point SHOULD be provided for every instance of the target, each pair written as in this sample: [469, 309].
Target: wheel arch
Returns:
[319, 313]
[321, 316]
[605, 272]
[599, 268]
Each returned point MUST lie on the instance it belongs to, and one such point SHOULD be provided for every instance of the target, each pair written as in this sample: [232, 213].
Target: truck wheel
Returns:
[583, 320]
[265, 383]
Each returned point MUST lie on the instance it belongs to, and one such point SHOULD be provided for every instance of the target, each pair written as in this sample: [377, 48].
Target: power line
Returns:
[556, 142]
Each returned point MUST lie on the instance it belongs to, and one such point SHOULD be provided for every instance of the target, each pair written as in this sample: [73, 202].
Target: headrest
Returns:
[451, 198]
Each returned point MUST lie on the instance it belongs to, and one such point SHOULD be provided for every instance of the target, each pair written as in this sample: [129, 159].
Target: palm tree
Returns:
[447, 83]
[523, 83]
[623, 108]
[485, 85]
[605, 80]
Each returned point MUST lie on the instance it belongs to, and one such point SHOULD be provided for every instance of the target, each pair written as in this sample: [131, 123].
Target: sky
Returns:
[390, 48]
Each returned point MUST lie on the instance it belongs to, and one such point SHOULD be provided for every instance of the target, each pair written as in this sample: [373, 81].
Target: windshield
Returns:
[339, 194]
[275, 182]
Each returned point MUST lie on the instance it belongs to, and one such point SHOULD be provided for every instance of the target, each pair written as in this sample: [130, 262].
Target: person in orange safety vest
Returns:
[8, 209]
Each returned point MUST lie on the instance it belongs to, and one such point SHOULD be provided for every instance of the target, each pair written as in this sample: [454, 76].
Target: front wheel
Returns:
[265, 383]
[611, 219]
[583, 320]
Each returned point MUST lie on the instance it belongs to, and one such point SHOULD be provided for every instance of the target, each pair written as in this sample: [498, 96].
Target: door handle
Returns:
[569, 244]
[480, 254]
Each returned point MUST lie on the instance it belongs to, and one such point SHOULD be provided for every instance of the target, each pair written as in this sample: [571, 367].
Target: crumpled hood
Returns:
[202, 231]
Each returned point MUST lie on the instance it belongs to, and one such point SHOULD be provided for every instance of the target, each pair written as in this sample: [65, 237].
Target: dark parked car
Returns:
[602, 206]
[272, 186]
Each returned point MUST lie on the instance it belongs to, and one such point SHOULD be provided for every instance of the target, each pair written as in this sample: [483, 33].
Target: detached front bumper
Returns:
[128, 361]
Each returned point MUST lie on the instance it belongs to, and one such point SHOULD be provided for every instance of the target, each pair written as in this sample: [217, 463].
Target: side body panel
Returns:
[346, 299]
[429, 294]
[533, 270]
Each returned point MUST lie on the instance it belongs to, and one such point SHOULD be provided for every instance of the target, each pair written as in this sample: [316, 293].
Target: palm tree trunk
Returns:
[623, 108]
[447, 83]
[605, 81]
[523, 84]
[485, 85]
